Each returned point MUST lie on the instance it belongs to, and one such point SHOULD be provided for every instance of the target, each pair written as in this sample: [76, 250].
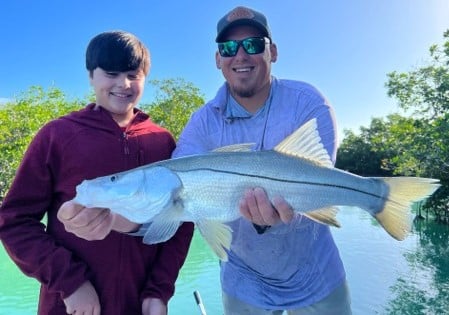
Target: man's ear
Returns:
[217, 60]
[274, 52]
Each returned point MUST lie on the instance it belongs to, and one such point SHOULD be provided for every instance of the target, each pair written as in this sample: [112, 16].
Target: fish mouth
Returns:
[81, 190]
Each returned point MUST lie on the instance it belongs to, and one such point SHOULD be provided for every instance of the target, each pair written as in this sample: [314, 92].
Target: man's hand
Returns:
[153, 306]
[83, 301]
[256, 207]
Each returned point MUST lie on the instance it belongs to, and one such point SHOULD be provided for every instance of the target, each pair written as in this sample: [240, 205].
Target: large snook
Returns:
[206, 189]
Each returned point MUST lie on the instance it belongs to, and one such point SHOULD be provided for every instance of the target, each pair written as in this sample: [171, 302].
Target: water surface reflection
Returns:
[385, 276]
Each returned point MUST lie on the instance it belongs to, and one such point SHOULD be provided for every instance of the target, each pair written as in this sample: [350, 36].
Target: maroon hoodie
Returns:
[84, 145]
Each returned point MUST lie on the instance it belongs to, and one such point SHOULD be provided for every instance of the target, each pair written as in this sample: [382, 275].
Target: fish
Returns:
[206, 189]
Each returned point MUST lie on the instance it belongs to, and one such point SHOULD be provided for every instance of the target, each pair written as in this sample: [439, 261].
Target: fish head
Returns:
[110, 190]
[138, 194]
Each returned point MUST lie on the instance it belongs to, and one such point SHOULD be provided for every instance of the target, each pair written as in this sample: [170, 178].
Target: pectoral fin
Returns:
[162, 228]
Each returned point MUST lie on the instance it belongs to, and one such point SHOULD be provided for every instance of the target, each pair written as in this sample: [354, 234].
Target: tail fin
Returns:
[404, 191]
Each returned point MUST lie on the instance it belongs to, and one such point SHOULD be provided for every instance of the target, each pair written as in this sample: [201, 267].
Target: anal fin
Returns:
[324, 216]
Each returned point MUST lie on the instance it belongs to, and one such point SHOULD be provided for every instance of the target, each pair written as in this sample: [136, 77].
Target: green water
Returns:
[385, 276]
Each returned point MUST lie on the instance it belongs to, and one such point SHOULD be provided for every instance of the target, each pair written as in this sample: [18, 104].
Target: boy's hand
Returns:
[87, 223]
[92, 223]
[153, 306]
[83, 301]
[256, 207]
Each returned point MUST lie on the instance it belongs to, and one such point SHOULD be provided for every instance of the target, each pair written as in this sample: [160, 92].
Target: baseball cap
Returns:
[242, 16]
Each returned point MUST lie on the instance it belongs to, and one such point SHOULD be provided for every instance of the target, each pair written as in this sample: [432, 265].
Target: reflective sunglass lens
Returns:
[228, 49]
[254, 45]
[251, 45]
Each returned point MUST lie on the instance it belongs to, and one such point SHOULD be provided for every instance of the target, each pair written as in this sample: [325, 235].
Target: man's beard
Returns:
[243, 91]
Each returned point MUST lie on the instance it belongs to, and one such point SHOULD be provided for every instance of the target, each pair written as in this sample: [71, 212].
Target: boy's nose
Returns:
[123, 81]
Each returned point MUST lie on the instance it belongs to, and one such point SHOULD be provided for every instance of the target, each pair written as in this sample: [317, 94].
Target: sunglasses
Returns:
[251, 45]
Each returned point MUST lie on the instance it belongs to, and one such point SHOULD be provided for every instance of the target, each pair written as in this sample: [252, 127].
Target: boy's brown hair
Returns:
[117, 51]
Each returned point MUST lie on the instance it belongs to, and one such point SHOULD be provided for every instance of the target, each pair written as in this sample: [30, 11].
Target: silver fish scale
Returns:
[213, 183]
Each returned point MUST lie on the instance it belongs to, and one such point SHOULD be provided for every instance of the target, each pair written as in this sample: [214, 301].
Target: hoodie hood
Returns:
[93, 116]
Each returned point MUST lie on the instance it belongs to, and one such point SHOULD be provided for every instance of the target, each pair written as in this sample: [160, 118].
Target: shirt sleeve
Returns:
[328, 132]
[192, 139]
[23, 230]
[315, 105]
[170, 258]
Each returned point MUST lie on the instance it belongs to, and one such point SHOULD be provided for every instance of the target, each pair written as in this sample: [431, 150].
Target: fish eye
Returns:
[113, 178]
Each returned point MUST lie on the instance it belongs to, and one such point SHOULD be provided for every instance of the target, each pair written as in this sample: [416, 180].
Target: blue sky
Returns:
[345, 48]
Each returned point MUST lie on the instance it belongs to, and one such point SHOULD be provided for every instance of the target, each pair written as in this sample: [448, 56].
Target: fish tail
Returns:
[403, 192]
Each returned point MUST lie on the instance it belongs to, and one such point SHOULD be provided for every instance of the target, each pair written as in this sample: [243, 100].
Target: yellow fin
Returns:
[395, 217]
[305, 143]
[218, 235]
[240, 147]
[324, 216]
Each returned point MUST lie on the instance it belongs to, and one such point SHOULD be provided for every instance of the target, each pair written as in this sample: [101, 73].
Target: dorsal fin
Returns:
[240, 147]
[305, 143]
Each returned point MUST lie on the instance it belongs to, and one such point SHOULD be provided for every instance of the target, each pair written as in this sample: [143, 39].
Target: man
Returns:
[277, 261]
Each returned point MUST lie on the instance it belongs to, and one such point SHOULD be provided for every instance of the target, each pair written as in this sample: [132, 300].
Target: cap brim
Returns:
[256, 24]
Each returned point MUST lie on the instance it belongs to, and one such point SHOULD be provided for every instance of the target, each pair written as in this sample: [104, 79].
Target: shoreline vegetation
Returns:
[411, 142]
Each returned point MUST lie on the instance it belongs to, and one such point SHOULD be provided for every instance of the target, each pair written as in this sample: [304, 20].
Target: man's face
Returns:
[118, 92]
[246, 74]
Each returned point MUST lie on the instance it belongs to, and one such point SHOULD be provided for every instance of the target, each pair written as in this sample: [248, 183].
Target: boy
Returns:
[118, 274]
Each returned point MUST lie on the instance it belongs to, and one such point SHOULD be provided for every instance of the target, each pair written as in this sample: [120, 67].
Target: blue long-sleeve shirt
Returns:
[290, 265]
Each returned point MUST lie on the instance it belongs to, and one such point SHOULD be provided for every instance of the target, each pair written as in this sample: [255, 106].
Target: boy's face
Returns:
[118, 92]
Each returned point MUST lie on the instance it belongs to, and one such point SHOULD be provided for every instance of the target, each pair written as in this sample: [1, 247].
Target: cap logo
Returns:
[240, 13]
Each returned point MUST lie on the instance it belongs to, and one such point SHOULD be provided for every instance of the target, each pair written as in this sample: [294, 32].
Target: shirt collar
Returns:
[230, 108]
